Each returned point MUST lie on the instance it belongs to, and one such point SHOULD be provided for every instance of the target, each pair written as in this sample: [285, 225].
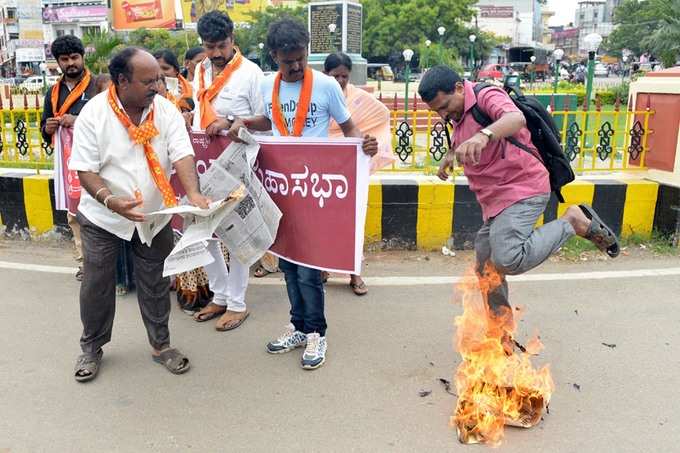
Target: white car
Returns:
[601, 70]
[35, 83]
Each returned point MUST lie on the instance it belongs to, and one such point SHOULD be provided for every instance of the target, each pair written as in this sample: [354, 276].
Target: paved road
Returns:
[383, 349]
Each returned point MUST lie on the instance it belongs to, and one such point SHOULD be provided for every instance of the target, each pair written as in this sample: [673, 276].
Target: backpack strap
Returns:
[484, 120]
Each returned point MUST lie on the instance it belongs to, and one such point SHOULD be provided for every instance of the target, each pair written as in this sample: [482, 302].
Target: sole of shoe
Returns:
[283, 351]
[314, 367]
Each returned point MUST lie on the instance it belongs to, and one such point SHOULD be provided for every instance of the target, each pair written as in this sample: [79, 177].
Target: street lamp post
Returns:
[441, 30]
[472, 39]
[428, 43]
[532, 75]
[261, 47]
[408, 54]
[557, 54]
[331, 29]
[592, 42]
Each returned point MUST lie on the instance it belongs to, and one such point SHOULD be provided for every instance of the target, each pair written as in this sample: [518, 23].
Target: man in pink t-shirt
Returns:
[511, 184]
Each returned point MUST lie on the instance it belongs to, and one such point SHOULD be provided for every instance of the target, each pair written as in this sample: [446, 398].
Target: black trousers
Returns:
[98, 288]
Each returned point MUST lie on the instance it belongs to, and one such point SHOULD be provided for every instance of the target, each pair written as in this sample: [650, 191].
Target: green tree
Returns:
[665, 40]
[249, 36]
[98, 50]
[393, 25]
[634, 21]
[152, 40]
[647, 26]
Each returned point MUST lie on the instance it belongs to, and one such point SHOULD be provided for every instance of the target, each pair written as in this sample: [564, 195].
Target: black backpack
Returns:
[544, 136]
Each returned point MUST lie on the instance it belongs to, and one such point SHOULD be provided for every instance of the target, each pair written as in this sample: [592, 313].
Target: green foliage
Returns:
[436, 54]
[390, 26]
[248, 37]
[98, 50]
[152, 40]
[647, 26]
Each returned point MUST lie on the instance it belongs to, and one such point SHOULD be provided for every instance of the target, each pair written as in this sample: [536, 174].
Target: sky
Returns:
[564, 11]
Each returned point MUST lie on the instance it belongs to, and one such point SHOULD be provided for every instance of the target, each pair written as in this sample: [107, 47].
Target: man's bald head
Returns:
[136, 74]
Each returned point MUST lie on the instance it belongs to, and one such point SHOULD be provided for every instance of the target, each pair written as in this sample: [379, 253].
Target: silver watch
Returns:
[488, 133]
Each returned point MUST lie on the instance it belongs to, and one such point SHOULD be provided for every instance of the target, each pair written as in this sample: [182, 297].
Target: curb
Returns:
[405, 212]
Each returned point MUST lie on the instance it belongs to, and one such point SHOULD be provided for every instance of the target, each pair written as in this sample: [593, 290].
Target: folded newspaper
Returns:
[245, 218]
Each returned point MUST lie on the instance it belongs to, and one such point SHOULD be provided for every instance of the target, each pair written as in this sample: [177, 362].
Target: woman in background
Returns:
[181, 93]
[371, 117]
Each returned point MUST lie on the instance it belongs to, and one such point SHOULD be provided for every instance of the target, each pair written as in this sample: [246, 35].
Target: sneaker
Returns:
[290, 340]
[315, 352]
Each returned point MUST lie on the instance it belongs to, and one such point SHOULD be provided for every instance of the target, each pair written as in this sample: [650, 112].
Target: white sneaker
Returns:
[315, 352]
[289, 340]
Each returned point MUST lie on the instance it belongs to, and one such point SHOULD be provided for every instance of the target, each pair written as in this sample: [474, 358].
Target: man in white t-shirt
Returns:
[226, 85]
[294, 87]
[126, 140]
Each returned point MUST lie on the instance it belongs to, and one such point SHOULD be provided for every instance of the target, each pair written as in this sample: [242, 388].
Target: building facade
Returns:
[594, 16]
[567, 39]
[520, 20]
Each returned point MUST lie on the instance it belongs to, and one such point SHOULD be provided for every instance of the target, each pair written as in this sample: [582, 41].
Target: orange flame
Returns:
[495, 385]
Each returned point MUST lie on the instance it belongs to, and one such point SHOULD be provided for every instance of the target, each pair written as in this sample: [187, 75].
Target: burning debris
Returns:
[496, 386]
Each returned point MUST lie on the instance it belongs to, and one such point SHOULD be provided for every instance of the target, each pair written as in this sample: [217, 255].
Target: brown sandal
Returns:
[209, 312]
[359, 289]
[260, 272]
[231, 323]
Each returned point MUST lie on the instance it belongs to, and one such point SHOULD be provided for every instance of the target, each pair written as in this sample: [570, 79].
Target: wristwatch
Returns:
[231, 119]
[488, 133]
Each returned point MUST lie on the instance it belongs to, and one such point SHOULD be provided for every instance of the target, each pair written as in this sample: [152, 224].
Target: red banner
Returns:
[321, 187]
[67, 186]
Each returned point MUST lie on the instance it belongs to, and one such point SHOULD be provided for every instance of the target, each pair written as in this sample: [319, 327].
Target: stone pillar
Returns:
[347, 36]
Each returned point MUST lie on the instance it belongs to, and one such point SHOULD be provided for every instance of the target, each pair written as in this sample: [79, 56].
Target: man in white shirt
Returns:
[226, 85]
[126, 140]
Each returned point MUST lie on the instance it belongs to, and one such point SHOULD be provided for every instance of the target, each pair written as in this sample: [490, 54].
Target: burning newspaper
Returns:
[495, 385]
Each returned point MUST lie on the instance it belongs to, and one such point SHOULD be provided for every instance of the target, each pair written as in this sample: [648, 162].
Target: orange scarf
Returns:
[142, 135]
[185, 90]
[302, 106]
[205, 96]
[180, 103]
[72, 97]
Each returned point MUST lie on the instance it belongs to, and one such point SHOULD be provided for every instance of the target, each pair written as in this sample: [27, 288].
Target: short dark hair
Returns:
[337, 59]
[66, 45]
[438, 78]
[215, 26]
[120, 64]
[168, 57]
[287, 35]
[193, 52]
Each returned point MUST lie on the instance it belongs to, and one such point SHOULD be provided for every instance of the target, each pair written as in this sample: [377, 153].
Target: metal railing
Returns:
[594, 140]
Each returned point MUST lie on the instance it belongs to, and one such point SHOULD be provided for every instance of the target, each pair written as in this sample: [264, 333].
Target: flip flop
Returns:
[207, 316]
[87, 366]
[600, 234]
[231, 325]
[359, 289]
[173, 360]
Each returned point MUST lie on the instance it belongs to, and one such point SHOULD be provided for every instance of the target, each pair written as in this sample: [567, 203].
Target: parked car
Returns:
[601, 70]
[35, 83]
[491, 72]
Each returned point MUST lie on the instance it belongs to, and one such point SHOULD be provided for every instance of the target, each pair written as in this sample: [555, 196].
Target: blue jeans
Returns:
[305, 292]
